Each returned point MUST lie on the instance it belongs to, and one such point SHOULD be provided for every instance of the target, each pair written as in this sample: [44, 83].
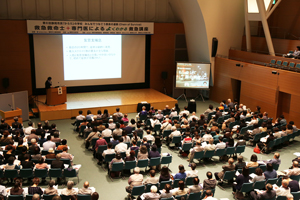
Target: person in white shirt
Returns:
[173, 113]
[121, 147]
[284, 190]
[3, 191]
[106, 132]
[149, 136]
[221, 144]
[254, 120]
[109, 150]
[27, 131]
[69, 190]
[80, 116]
[159, 115]
[174, 133]
[85, 190]
[154, 121]
[166, 125]
[118, 113]
[134, 180]
[117, 131]
[210, 146]
[295, 171]
[185, 111]
[206, 137]
[49, 144]
[193, 116]
[193, 172]
[111, 124]
[152, 179]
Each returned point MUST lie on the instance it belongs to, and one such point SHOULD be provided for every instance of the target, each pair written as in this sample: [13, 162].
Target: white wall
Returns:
[205, 19]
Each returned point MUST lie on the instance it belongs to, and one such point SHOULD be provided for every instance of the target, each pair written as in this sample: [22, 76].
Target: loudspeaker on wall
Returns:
[214, 47]
[164, 75]
[5, 82]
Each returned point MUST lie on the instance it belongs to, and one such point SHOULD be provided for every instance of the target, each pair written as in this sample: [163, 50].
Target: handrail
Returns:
[256, 51]
[276, 32]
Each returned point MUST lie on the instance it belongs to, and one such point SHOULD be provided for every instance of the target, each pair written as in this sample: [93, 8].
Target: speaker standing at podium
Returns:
[48, 85]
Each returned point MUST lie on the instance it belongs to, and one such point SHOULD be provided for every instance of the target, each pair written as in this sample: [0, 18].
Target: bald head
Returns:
[36, 197]
[295, 164]
[86, 184]
[285, 183]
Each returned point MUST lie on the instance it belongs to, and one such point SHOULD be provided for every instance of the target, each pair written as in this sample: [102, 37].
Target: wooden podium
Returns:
[53, 98]
[9, 115]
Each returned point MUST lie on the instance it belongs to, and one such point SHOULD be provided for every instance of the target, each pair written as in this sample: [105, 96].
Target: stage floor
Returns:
[126, 100]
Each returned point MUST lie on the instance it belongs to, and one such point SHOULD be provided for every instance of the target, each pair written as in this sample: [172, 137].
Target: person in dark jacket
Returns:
[57, 163]
[241, 179]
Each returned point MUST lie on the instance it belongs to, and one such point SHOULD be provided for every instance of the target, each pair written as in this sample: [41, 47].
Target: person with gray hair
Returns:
[33, 145]
[36, 197]
[135, 179]
[284, 189]
[152, 195]
[69, 190]
[85, 190]
[51, 190]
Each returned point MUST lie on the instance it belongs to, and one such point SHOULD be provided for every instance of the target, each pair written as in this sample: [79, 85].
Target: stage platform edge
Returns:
[126, 100]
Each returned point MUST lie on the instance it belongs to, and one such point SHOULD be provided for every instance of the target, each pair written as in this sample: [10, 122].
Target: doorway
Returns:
[236, 89]
[283, 106]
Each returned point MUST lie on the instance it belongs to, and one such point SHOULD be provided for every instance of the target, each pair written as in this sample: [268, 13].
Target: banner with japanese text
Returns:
[92, 27]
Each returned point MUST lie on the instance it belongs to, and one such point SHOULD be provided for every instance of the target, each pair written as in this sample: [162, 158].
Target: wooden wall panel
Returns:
[258, 92]
[281, 46]
[251, 57]
[289, 82]
[15, 56]
[259, 75]
[295, 103]
[284, 20]
[295, 116]
[163, 54]
[253, 102]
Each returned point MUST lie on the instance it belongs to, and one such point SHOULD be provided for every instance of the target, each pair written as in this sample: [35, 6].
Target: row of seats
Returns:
[40, 173]
[277, 141]
[144, 163]
[248, 187]
[139, 190]
[284, 64]
[219, 152]
[48, 197]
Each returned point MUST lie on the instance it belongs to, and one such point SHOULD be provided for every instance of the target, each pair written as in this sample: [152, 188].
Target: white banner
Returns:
[85, 27]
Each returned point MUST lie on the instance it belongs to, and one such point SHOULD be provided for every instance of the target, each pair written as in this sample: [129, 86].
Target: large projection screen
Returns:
[192, 75]
[89, 60]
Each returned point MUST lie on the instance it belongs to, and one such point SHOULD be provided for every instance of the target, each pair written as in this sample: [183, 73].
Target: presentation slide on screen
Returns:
[85, 60]
[192, 75]
[100, 54]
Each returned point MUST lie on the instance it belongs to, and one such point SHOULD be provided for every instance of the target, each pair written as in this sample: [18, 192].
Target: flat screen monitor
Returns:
[192, 75]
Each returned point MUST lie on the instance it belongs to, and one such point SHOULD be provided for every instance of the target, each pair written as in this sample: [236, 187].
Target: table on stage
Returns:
[54, 98]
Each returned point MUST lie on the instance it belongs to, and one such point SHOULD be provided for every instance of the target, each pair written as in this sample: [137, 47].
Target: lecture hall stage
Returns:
[126, 100]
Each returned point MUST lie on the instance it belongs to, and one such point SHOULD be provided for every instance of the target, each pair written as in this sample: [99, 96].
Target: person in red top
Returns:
[187, 138]
[221, 106]
[63, 144]
[100, 142]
